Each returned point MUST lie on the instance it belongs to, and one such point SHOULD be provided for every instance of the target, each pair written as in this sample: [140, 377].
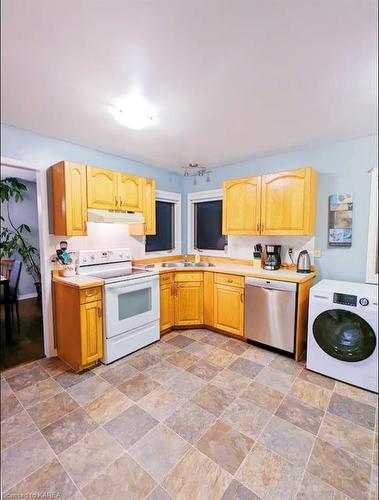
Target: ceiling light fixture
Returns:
[193, 169]
[135, 112]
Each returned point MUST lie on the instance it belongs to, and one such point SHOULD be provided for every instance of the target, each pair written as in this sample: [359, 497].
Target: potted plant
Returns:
[14, 239]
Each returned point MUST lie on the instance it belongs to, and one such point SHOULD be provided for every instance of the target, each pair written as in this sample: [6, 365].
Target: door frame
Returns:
[43, 233]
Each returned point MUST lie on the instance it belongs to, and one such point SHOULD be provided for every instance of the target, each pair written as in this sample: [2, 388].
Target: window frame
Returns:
[176, 199]
[372, 242]
[192, 198]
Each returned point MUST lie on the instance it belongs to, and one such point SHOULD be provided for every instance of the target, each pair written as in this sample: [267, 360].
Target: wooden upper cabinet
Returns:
[102, 188]
[130, 192]
[289, 202]
[149, 210]
[241, 206]
[69, 199]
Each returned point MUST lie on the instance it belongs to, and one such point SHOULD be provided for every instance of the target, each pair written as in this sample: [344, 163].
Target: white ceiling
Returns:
[232, 79]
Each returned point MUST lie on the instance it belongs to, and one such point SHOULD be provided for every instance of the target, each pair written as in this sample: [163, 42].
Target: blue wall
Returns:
[25, 145]
[342, 167]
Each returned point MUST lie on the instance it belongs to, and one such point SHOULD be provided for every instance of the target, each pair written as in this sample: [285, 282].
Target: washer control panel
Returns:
[364, 302]
[345, 299]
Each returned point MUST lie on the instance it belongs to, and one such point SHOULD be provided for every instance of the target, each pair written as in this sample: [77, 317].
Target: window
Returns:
[167, 239]
[205, 223]
[208, 226]
[373, 241]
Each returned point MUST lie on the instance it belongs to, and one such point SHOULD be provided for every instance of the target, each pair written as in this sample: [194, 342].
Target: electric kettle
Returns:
[303, 262]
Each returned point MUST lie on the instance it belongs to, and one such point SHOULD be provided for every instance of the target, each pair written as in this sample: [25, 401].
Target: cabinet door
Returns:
[167, 306]
[149, 206]
[241, 206]
[208, 298]
[229, 308]
[289, 202]
[102, 188]
[130, 192]
[189, 303]
[76, 199]
[91, 332]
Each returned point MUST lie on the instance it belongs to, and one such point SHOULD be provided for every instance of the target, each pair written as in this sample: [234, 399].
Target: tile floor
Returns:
[195, 416]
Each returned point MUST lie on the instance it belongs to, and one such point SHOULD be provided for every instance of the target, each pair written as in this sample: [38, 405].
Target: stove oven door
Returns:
[131, 304]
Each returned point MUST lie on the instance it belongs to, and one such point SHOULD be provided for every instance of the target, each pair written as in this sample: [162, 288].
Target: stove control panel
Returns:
[93, 257]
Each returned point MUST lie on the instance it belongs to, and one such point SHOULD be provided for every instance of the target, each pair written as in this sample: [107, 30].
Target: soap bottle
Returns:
[197, 258]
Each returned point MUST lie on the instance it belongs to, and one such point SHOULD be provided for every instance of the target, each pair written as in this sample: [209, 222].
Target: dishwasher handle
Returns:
[284, 286]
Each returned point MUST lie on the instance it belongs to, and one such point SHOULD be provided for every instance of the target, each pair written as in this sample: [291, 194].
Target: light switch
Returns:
[317, 253]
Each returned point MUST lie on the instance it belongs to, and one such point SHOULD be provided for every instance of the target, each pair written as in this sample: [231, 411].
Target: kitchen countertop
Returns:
[78, 281]
[243, 270]
[281, 274]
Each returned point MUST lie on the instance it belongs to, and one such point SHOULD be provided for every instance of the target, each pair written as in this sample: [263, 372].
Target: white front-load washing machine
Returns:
[343, 332]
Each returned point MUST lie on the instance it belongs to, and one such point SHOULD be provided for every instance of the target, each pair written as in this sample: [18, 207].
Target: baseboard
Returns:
[28, 296]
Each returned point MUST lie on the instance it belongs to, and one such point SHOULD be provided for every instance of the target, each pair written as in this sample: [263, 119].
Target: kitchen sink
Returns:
[187, 264]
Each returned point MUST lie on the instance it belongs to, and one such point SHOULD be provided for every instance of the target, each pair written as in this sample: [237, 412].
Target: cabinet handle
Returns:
[120, 201]
[115, 199]
[258, 228]
[241, 297]
[262, 226]
[91, 294]
[229, 281]
[99, 311]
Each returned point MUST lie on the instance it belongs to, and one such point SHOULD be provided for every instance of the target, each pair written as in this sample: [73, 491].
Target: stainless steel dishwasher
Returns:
[270, 312]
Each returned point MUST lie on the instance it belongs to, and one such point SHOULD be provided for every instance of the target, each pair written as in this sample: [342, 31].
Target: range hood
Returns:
[111, 216]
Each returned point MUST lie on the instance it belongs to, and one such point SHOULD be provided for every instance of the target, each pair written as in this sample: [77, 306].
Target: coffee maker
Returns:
[272, 259]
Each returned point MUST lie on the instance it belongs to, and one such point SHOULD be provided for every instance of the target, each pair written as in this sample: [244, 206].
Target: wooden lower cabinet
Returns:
[189, 303]
[181, 300]
[217, 300]
[167, 306]
[208, 299]
[228, 309]
[78, 325]
[91, 332]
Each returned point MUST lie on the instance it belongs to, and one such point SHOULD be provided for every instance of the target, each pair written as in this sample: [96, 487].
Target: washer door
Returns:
[344, 335]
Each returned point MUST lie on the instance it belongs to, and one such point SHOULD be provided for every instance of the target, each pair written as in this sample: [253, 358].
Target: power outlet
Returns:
[317, 253]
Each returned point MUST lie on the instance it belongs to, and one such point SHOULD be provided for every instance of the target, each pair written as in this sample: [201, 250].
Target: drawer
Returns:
[90, 294]
[166, 278]
[189, 276]
[229, 279]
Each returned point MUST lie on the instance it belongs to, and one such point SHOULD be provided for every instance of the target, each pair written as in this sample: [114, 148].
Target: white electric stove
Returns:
[130, 300]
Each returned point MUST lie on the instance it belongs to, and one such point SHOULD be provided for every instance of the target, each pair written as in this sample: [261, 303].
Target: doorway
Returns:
[22, 265]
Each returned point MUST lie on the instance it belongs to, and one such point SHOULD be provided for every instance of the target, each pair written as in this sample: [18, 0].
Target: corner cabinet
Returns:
[241, 206]
[68, 196]
[182, 299]
[189, 298]
[289, 202]
[277, 204]
[78, 324]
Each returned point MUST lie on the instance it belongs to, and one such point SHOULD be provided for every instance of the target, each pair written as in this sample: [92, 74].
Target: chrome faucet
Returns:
[186, 260]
